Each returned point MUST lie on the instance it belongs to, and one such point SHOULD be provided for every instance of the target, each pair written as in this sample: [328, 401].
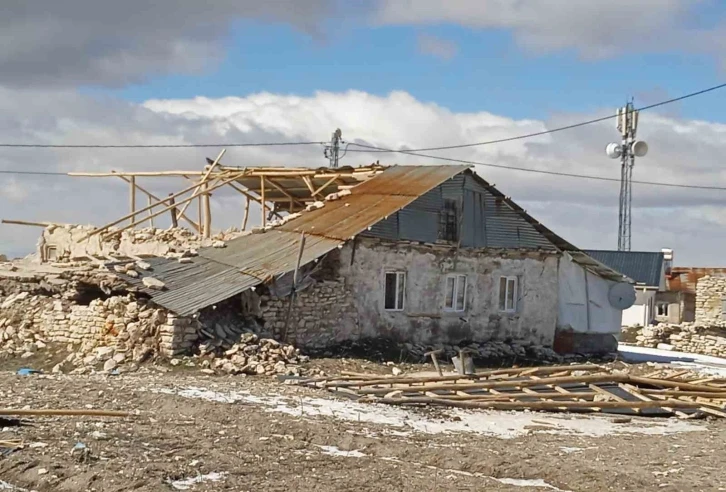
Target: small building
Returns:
[421, 254]
[679, 301]
[648, 270]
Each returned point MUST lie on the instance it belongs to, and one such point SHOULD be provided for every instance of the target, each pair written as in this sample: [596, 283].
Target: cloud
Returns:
[594, 28]
[437, 47]
[582, 211]
[75, 42]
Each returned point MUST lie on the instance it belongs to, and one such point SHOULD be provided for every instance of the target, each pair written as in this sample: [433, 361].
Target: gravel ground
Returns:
[260, 435]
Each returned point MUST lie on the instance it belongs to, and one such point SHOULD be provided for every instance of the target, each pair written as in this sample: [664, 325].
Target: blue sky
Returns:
[488, 72]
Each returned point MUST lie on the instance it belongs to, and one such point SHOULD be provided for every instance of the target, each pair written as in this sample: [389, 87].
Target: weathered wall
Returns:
[424, 319]
[676, 307]
[131, 330]
[348, 304]
[710, 296]
[584, 306]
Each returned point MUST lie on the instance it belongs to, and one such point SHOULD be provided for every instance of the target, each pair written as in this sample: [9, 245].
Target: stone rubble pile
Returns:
[689, 337]
[121, 332]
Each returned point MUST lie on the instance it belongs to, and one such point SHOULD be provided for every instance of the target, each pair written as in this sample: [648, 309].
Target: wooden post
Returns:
[132, 197]
[200, 211]
[174, 221]
[262, 197]
[207, 211]
[247, 214]
[151, 219]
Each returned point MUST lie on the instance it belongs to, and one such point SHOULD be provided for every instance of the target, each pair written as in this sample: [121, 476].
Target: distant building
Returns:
[678, 303]
[648, 270]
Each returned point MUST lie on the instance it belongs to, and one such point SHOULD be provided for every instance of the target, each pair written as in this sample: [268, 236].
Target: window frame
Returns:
[658, 306]
[449, 220]
[397, 295]
[515, 301]
[456, 277]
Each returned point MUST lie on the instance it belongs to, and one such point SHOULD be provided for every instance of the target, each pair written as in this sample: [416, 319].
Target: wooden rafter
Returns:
[151, 196]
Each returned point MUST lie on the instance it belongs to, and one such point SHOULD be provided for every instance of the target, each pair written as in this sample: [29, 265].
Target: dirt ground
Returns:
[196, 432]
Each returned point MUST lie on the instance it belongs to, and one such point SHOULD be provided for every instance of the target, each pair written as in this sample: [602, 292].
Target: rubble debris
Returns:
[153, 283]
[555, 388]
[696, 338]
[27, 412]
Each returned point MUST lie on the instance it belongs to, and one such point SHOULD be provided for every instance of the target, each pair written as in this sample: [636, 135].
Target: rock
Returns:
[175, 362]
[185, 259]
[142, 265]
[110, 365]
[152, 283]
[396, 371]
[132, 273]
[219, 244]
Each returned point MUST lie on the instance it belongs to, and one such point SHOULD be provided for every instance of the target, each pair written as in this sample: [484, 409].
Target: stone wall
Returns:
[710, 296]
[692, 338]
[318, 313]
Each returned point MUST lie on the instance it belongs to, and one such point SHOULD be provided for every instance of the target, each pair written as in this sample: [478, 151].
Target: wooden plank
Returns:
[598, 378]
[319, 191]
[262, 202]
[125, 217]
[247, 214]
[166, 209]
[132, 196]
[28, 223]
[151, 196]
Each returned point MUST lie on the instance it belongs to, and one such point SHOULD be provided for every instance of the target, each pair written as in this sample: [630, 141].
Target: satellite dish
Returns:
[613, 150]
[621, 296]
[639, 148]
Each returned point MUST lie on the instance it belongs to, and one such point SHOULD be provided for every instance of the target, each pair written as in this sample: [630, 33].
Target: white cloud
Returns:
[437, 47]
[594, 28]
[583, 211]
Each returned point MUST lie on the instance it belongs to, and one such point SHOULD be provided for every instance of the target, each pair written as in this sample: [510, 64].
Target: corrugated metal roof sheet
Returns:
[220, 273]
[643, 267]
[684, 279]
[372, 201]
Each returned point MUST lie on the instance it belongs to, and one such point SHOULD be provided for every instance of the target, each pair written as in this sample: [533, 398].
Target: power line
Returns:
[554, 173]
[546, 132]
[475, 163]
[156, 146]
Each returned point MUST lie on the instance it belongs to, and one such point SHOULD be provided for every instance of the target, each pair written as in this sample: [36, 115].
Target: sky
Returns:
[398, 74]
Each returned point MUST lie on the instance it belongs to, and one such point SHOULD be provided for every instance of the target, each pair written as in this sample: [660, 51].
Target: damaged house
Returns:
[426, 255]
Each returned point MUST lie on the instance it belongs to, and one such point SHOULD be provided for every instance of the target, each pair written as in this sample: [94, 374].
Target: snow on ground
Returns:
[706, 364]
[504, 425]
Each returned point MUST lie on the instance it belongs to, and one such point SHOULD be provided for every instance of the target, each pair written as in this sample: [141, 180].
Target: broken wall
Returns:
[711, 301]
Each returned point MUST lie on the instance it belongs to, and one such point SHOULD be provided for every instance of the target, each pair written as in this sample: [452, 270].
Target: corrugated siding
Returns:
[385, 229]
[490, 223]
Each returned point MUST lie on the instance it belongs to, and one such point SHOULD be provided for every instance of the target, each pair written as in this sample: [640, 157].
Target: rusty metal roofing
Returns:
[372, 201]
[684, 279]
[220, 273]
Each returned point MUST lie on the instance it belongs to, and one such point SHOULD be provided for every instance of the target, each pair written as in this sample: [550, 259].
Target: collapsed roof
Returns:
[217, 274]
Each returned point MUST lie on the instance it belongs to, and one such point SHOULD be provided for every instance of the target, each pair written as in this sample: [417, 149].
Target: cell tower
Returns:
[627, 151]
[332, 151]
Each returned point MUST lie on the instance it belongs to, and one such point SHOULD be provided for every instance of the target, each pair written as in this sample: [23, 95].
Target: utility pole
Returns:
[332, 151]
[627, 151]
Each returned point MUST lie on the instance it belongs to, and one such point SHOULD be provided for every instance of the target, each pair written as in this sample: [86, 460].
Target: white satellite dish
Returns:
[621, 295]
[613, 150]
[639, 148]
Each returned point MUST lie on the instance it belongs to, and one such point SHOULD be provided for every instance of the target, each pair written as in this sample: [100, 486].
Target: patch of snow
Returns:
[7, 486]
[518, 482]
[504, 425]
[335, 451]
[187, 483]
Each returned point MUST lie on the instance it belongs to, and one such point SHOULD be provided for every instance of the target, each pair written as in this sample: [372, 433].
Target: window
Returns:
[449, 225]
[455, 293]
[51, 253]
[394, 290]
[508, 294]
[661, 309]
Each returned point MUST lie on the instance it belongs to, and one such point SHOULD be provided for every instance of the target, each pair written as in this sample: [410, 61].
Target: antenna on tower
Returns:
[332, 151]
[626, 151]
